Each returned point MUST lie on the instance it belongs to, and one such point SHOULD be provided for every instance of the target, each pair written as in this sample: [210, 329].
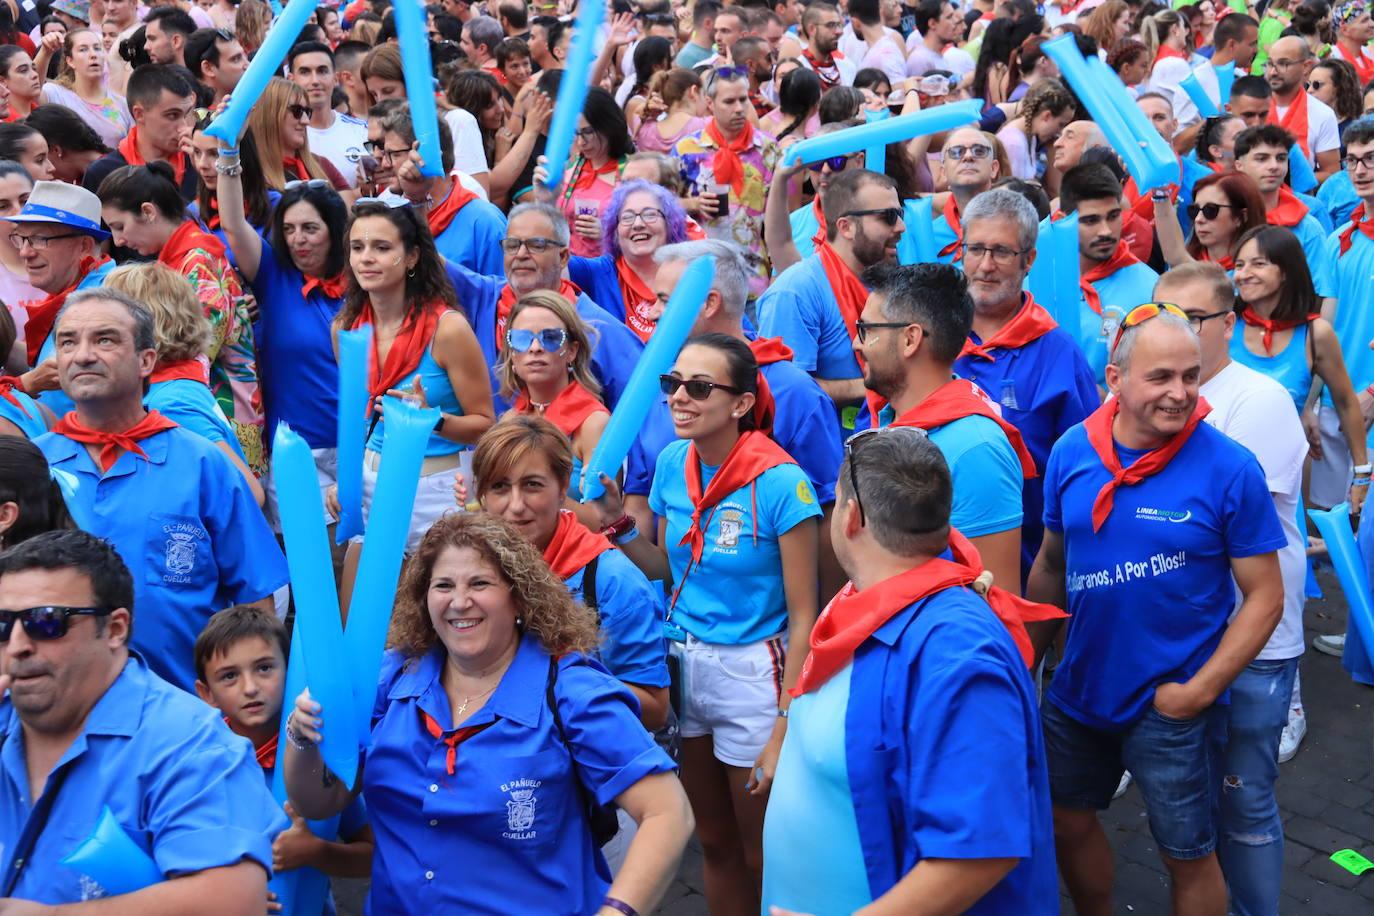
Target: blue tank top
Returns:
[1288, 367]
[439, 393]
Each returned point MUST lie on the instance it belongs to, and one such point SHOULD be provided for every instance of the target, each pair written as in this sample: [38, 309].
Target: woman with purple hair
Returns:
[639, 219]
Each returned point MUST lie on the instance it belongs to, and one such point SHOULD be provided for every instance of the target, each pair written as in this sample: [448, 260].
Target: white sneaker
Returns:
[1123, 785]
[1293, 733]
[1331, 645]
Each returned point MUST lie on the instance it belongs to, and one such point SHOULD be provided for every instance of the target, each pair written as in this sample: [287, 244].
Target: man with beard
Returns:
[970, 168]
[1310, 120]
[821, 27]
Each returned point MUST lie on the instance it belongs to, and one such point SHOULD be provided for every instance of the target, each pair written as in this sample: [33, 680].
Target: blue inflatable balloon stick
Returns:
[1349, 563]
[885, 131]
[266, 64]
[875, 157]
[641, 391]
[355, 351]
[1226, 77]
[1195, 90]
[917, 243]
[1064, 243]
[408, 430]
[275, 6]
[111, 858]
[572, 89]
[419, 74]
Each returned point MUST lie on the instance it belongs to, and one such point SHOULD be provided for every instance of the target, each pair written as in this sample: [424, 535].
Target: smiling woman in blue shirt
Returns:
[494, 739]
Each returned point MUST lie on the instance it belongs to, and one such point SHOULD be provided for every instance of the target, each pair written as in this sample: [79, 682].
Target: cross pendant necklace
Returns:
[463, 706]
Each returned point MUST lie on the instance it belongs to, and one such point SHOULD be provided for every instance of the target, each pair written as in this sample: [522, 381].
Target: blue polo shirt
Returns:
[57, 400]
[631, 612]
[1354, 326]
[1337, 195]
[804, 228]
[614, 357]
[24, 414]
[509, 825]
[1314, 240]
[805, 424]
[800, 307]
[927, 746]
[1118, 293]
[184, 788]
[1044, 387]
[1151, 592]
[474, 237]
[735, 595]
[192, 406]
[186, 525]
[296, 366]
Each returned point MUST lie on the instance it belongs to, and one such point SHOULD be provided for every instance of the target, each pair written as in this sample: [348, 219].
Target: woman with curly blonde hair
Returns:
[488, 653]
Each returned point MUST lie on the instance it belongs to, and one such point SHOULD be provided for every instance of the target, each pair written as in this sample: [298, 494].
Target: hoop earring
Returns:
[411, 273]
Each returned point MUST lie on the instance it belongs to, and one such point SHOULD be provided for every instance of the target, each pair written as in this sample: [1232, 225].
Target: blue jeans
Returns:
[1251, 848]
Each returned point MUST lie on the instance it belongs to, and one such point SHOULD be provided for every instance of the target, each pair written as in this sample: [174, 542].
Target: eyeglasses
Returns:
[861, 327]
[300, 112]
[1143, 313]
[39, 242]
[1197, 321]
[697, 389]
[1001, 254]
[391, 203]
[1352, 163]
[46, 623]
[652, 216]
[1211, 211]
[836, 163]
[1278, 64]
[536, 245]
[890, 216]
[977, 151]
[381, 152]
[306, 183]
[551, 340]
[585, 133]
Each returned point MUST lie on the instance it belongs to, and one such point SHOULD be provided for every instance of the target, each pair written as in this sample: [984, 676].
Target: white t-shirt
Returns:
[887, 56]
[468, 155]
[342, 143]
[1323, 130]
[1257, 412]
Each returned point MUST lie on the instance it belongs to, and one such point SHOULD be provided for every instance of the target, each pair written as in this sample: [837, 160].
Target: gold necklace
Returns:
[463, 706]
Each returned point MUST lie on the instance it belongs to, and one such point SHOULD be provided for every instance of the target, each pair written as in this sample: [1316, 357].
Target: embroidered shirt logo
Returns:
[520, 808]
[180, 550]
[731, 520]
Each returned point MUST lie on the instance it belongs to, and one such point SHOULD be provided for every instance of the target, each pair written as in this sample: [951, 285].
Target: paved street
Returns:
[1326, 794]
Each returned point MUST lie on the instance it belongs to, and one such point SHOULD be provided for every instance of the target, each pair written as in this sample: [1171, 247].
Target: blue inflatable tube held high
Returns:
[266, 64]
[572, 89]
[883, 132]
[419, 74]
[355, 350]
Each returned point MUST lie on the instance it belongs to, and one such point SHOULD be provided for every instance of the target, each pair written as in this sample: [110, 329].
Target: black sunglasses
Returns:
[697, 389]
[44, 624]
[1211, 211]
[889, 215]
[836, 163]
[300, 111]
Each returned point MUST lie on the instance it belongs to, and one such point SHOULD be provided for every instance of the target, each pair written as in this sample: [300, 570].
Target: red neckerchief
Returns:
[191, 369]
[442, 214]
[111, 444]
[1228, 263]
[751, 456]
[212, 219]
[331, 288]
[1289, 211]
[1295, 122]
[506, 301]
[1031, 322]
[11, 115]
[458, 737]
[959, 398]
[850, 296]
[292, 165]
[1270, 325]
[1138, 234]
[1166, 52]
[1363, 64]
[7, 385]
[1358, 221]
[569, 409]
[1121, 257]
[767, 351]
[853, 616]
[267, 752]
[406, 350]
[828, 73]
[128, 148]
[43, 312]
[639, 299]
[726, 164]
[821, 232]
[585, 175]
[574, 545]
[951, 215]
[1099, 429]
[187, 238]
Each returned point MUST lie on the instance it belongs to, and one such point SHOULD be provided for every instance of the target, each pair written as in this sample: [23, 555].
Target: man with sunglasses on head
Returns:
[216, 59]
[89, 728]
[1152, 520]
[970, 164]
[337, 137]
[162, 102]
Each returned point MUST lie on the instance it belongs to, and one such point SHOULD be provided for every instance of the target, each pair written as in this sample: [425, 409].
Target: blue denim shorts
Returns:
[1174, 762]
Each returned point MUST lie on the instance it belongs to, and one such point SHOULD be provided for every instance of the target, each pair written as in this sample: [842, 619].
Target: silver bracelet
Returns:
[295, 738]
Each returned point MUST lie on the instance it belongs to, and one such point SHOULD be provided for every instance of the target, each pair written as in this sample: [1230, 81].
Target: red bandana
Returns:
[726, 163]
[295, 168]
[187, 238]
[1099, 428]
[442, 213]
[506, 301]
[111, 444]
[192, 369]
[43, 312]
[829, 72]
[267, 753]
[1363, 64]
[1270, 325]
[569, 409]
[7, 385]
[850, 296]
[585, 174]
[1121, 257]
[1031, 322]
[1289, 211]
[640, 300]
[331, 288]
[1358, 221]
[453, 740]
[128, 148]
[853, 616]
[821, 232]
[574, 545]
[406, 350]
[959, 398]
[770, 350]
[212, 219]
[1295, 122]
[1227, 263]
[767, 350]
[1166, 52]
[951, 215]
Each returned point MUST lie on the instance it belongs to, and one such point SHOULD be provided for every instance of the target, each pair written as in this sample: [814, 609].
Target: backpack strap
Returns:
[589, 588]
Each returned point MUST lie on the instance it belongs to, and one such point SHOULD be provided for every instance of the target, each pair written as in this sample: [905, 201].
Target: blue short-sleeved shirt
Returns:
[57, 400]
[734, 596]
[1337, 195]
[800, 308]
[943, 758]
[1118, 293]
[184, 788]
[631, 612]
[1314, 239]
[945, 236]
[509, 823]
[296, 364]
[474, 237]
[804, 228]
[1150, 593]
[23, 412]
[1318, 211]
[1354, 325]
[192, 406]
[186, 525]
[986, 472]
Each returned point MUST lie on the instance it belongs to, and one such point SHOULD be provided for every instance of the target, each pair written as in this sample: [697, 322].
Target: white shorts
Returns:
[1329, 483]
[731, 693]
[433, 498]
[326, 472]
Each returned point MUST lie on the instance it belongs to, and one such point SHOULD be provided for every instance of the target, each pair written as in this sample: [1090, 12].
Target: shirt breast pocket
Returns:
[526, 803]
[177, 552]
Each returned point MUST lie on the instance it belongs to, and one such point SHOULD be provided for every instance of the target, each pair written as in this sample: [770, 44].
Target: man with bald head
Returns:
[969, 160]
[1073, 140]
[1310, 120]
[1149, 516]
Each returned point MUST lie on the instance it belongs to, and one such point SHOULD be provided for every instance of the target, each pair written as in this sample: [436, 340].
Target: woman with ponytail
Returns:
[1166, 39]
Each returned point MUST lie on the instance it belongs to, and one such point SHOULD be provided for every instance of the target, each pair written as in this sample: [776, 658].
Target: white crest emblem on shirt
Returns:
[181, 552]
[520, 808]
[731, 521]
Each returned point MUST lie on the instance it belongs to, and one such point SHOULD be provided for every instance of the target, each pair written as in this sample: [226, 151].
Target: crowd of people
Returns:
[817, 620]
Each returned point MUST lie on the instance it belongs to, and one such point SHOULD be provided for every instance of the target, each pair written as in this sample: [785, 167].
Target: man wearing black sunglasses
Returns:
[970, 169]
[87, 727]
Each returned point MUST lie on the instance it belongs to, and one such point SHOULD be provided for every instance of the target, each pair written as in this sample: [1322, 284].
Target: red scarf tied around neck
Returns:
[1359, 222]
[1289, 211]
[641, 302]
[819, 214]
[1271, 325]
[585, 174]
[574, 545]
[190, 369]
[331, 288]
[853, 616]
[43, 312]
[1295, 121]
[726, 163]
[187, 238]
[850, 296]
[406, 350]
[1121, 257]
[1165, 52]
[767, 351]
[112, 444]
[442, 213]
[1030, 323]
[951, 215]
[1099, 429]
[128, 148]
[959, 398]
[569, 409]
